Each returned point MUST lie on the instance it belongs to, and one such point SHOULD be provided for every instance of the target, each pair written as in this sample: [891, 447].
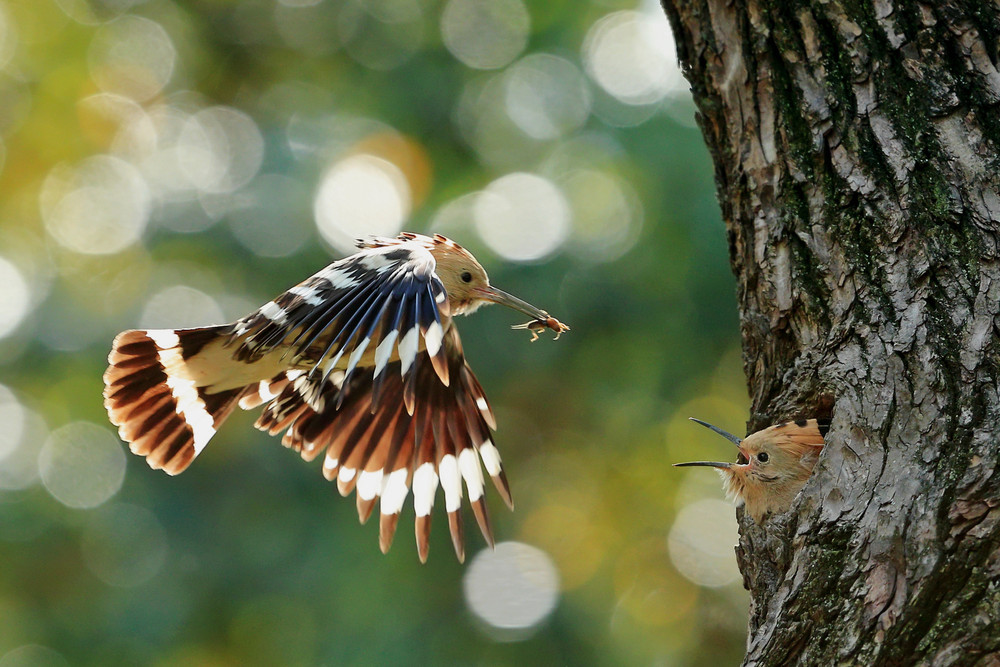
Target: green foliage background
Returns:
[265, 563]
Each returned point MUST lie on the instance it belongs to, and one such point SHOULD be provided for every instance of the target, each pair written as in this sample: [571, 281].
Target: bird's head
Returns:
[467, 284]
[772, 466]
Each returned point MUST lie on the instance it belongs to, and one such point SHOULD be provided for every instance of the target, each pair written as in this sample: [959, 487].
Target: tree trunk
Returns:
[856, 158]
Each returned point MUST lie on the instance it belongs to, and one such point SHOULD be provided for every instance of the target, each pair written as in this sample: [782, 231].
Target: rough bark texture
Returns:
[856, 153]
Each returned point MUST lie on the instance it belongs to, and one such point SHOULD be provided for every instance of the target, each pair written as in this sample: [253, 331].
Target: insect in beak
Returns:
[716, 464]
[542, 320]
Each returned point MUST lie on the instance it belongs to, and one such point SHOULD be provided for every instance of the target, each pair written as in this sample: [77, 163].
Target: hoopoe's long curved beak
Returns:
[494, 295]
[710, 464]
[725, 434]
[715, 464]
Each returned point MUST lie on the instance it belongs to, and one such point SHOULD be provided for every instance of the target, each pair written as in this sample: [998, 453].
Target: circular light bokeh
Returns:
[13, 417]
[99, 207]
[522, 217]
[82, 465]
[546, 96]
[95, 12]
[485, 34]
[221, 149]
[607, 214]
[359, 196]
[632, 56]
[701, 543]
[125, 121]
[485, 124]
[513, 587]
[180, 306]
[15, 298]
[132, 56]
[162, 154]
[19, 463]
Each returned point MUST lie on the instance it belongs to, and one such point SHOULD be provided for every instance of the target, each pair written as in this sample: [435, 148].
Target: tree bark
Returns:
[856, 158]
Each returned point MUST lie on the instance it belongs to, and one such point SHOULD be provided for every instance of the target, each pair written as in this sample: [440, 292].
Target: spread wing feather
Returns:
[383, 455]
[385, 294]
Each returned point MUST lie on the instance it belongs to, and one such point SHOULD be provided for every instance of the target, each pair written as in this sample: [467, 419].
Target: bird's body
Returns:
[773, 465]
[361, 361]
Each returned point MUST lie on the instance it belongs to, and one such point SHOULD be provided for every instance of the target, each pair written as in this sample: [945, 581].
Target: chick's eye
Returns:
[763, 457]
[466, 277]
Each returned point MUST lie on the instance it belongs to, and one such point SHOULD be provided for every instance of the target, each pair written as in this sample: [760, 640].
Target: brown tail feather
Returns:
[164, 417]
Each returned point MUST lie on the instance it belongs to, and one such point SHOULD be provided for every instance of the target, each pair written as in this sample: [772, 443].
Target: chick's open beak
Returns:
[716, 464]
[490, 293]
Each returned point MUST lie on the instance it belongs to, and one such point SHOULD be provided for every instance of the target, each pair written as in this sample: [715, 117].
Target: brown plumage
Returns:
[773, 465]
[361, 362]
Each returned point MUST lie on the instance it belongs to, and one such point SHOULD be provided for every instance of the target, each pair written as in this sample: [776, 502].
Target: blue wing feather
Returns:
[329, 315]
[344, 332]
[333, 316]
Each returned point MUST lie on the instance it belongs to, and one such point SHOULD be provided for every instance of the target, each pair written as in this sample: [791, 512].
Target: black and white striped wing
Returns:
[380, 450]
[382, 304]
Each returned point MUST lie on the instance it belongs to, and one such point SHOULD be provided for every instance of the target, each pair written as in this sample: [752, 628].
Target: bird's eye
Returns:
[763, 457]
[466, 277]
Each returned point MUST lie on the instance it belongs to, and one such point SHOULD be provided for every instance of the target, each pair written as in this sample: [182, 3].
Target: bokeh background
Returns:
[173, 163]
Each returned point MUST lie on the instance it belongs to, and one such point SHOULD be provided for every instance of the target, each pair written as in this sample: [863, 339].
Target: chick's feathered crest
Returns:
[360, 361]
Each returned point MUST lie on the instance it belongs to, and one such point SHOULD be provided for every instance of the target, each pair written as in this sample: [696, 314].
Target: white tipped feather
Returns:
[357, 354]
[163, 338]
[451, 482]
[384, 351]
[264, 391]
[432, 339]
[376, 260]
[308, 293]
[468, 462]
[425, 483]
[369, 484]
[274, 312]
[394, 490]
[491, 458]
[339, 278]
[408, 349]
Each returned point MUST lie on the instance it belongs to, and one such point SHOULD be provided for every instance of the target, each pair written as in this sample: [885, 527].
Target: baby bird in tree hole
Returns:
[772, 467]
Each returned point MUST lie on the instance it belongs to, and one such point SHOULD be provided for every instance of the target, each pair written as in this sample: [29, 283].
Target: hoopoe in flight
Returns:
[362, 362]
[773, 464]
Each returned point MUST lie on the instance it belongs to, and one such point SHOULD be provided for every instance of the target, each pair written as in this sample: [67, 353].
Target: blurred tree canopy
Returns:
[177, 163]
